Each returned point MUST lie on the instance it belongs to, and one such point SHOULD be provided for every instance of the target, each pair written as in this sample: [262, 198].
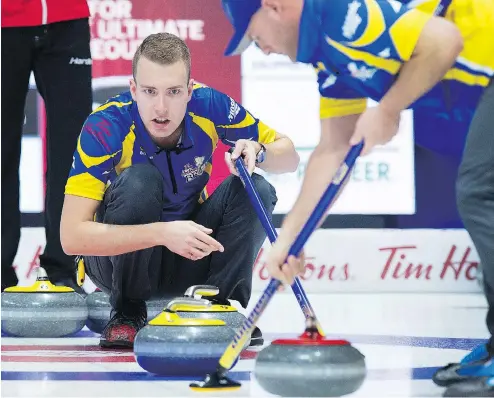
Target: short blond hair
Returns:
[164, 49]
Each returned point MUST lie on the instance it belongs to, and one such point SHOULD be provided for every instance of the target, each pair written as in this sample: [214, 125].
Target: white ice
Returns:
[376, 324]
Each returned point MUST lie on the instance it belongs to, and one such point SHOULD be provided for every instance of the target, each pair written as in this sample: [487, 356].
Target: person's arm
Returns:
[98, 150]
[93, 162]
[80, 235]
[321, 168]
[340, 107]
[437, 48]
[281, 156]
[411, 46]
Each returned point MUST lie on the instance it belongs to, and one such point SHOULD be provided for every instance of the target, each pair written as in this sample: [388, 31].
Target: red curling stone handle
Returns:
[309, 341]
[310, 337]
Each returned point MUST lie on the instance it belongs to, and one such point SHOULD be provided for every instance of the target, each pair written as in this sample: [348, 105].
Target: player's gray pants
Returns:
[475, 192]
[136, 197]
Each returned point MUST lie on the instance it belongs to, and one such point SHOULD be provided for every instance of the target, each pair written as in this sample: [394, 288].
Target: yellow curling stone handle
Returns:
[204, 291]
[169, 317]
[41, 285]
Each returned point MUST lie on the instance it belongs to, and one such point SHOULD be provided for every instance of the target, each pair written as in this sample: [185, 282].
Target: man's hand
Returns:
[190, 240]
[249, 150]
[282, 268]
[375, 126]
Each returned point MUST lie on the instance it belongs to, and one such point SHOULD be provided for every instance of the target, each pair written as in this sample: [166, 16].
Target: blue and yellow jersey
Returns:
[358, 46]
[113, 138]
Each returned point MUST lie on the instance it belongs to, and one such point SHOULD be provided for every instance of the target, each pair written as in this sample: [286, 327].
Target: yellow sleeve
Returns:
[85, 185]
[93, 160]
[406, 30]
[266, 134]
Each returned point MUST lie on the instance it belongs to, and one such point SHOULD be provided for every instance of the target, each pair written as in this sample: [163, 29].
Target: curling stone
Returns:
[98, 304]
[226, 313]
[310, 366]
[42, 309]
[174, 346]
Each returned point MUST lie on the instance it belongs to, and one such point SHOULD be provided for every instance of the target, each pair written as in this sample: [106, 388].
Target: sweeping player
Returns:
[438, 56]
[136, 206]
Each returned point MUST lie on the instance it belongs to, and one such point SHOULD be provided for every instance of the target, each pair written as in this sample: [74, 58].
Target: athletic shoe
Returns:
[476, 385]
[473, 364]
[122, 328]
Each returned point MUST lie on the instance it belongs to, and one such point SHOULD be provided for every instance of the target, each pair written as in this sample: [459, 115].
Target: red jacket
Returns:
[16, 13]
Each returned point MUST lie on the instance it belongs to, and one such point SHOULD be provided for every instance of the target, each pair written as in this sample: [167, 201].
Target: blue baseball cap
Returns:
[239, 13]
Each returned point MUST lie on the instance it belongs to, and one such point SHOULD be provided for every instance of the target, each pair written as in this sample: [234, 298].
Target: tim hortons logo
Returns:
[313, 271]
[457, 264]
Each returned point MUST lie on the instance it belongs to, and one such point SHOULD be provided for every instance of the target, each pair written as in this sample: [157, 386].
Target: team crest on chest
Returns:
[191, 172]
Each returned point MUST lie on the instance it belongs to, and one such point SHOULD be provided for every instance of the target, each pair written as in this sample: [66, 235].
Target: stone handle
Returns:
[173, 304]
[202, 290]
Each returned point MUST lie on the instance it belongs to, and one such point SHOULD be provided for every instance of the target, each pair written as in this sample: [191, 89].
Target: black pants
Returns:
[59, 56]
[157, 271]
[475, 190]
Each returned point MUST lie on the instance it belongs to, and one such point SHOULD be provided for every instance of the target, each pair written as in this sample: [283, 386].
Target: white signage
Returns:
[285, 96]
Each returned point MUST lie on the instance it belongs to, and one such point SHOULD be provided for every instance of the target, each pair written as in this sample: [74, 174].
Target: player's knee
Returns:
[266, 191]
[142, 179]
[137, 196]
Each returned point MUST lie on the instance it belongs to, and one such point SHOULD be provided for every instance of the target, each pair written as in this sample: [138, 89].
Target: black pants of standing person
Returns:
[59, 56]
[136, 197]
[475, 192]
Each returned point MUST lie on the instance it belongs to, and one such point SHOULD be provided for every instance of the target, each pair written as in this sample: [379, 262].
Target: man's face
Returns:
[274, 28]
[161, 93]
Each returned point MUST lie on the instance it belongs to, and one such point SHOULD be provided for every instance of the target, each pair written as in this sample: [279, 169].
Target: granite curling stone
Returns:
[42, 309]
[189, 347]
[98, 304]
[310, 366]
[224, 312]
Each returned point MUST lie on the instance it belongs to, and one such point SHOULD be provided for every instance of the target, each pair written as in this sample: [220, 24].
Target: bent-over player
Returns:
[437, 55]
